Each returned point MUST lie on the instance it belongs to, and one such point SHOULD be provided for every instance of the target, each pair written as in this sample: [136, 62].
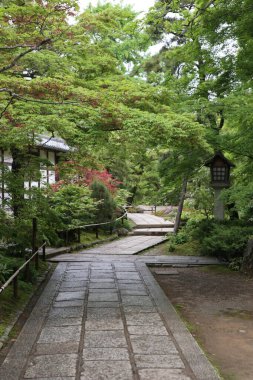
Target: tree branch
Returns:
[6, 107]
[21, 55]
[21, 98]
[15, 47]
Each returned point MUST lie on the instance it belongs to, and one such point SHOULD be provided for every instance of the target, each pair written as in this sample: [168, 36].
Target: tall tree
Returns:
[205, 60]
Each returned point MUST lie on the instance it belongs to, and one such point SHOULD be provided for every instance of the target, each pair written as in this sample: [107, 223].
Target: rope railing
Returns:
[35, 255]
[14, 278]
[122, 217]
[93, 225]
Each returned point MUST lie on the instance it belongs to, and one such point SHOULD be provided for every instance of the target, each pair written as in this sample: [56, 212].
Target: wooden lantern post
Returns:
[220, 179]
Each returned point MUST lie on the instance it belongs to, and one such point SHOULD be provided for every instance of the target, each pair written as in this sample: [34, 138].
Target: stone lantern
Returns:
[220, 179]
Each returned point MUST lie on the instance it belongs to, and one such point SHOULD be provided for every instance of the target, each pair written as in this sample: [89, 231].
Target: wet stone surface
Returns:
[148, 330]
[162, 374]
[103, 339]
[67, 296]
[107, 370]
[51, 365]
[158, 361]
[105, 297]
[97, 320]
[60, 334]
[148, 344]
[105, 354]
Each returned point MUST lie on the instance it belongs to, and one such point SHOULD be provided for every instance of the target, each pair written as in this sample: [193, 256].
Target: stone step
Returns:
[153, 231]
[155, 225]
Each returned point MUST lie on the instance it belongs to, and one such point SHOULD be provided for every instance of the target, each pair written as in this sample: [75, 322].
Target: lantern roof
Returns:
[219, 155]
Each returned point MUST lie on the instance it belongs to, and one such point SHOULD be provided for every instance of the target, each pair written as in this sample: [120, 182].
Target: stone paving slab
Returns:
[107, 370]
[111, 354]
[112, 324]
[163, 374]
[148, 330]
[123, 329]
[159, 361]
[56, 348]
[104, 296]
[60, 334]
[51, 365]
[105, 339]
[148, 344]
[71, 303]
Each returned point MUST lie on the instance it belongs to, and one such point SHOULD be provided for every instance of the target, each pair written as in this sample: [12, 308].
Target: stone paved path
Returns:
[148, 219]
[130, 245]
[106, 318]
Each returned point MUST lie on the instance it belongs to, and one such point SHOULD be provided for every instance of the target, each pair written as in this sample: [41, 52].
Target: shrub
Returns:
[5, 273]
[106, 206]
[180, 238]
[223, 239]
[199, 229]
[74, 205]
[226, 241]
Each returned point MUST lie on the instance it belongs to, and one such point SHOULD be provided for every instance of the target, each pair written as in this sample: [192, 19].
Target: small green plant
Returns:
[236, 264]
[106, 206]
[5, 273]
[172, 247]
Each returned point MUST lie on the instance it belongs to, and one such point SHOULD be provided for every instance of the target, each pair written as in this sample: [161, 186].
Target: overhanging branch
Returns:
[21, 55]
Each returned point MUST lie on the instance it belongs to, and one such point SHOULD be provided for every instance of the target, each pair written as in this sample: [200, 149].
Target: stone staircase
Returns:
[154, 229]
[150, 225]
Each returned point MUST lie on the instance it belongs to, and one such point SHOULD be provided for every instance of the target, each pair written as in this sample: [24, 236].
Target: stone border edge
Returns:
[193, 353]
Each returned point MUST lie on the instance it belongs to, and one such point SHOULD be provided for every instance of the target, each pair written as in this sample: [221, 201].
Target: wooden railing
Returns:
[35, 255]
[95, 226]
[14, 278]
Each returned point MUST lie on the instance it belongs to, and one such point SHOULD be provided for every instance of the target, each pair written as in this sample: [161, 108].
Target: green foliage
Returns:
[35, 205]
[206, 63]
[74, 205]
[106, 205]
[180, 238]
[10, 306]
[5, 273]
[121, 196]
[127, 224]
[236, 264]
[225, 240]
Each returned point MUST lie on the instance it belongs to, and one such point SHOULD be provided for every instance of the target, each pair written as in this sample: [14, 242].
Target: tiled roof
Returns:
[53, 143]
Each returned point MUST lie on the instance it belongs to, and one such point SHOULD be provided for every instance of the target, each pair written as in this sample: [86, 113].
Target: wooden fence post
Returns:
[44, 251]
[36, 261]
[27, 269]
[15, 284]
[34, 234]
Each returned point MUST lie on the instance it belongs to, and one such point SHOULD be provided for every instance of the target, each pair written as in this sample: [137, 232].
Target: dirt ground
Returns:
[218, 309]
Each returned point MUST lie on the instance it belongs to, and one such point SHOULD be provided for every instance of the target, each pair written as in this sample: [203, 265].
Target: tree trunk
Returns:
[247, 264]
[17, 181]
[130, 199]
[133, 191]
[181, 205]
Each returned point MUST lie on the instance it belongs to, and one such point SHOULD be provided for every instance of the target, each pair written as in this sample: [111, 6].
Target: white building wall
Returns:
[47, 172]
